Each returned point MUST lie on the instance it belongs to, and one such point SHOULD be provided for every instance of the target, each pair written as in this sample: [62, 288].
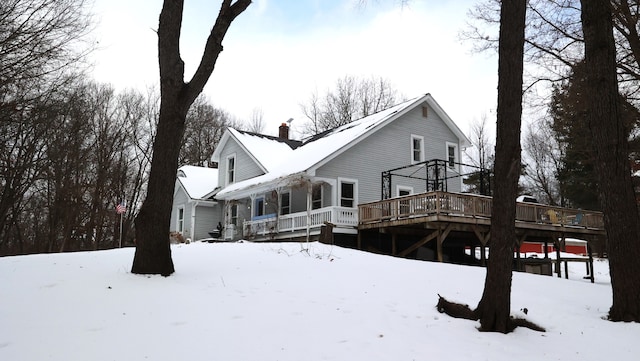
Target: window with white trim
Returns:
[417, 148]
[348, 193]
[231, 169]
[404, 191]
[452, 156]
[285, 203]
[258, 207]
[180, 220]
[405, 204]
[234, 215]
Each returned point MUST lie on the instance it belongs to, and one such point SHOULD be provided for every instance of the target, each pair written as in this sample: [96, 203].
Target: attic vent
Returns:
[425, 111]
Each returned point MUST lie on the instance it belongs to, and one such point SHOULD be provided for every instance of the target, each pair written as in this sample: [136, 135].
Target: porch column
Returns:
[309, 196]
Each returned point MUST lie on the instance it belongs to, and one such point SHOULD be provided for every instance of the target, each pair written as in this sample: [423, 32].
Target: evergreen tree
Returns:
[569, 110]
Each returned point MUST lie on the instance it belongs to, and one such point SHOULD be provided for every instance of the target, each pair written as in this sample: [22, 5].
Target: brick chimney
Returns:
[283, 131]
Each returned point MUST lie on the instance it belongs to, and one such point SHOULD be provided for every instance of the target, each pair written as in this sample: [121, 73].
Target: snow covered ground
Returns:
[248, 301]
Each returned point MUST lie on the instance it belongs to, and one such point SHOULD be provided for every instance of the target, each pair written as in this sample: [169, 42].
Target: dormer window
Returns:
[417, 149]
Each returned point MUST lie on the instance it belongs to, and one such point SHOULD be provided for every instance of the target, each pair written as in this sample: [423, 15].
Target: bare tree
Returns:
[352, 98]
[141, 114]
[203, 131]
[41, 44]
[481, 156]
[256, 122]
[554, 40]
[609, 135]
[494, 307]
[153, 252]
[39, 40]
[543, 163]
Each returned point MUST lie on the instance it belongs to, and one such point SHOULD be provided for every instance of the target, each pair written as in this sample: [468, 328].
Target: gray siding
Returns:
[388, 148]
[246, 167]
[207, 219]
[180, 199]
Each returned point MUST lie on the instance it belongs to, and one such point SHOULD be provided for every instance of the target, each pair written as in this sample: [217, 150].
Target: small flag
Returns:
[121, 208]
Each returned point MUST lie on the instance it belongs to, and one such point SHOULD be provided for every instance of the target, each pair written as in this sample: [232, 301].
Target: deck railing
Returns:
[339, 216]
[471, 205]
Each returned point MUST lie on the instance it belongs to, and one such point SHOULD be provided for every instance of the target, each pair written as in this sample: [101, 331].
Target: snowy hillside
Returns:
[246, 301]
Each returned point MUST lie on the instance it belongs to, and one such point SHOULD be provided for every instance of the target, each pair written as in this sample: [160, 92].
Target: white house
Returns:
[278, 188]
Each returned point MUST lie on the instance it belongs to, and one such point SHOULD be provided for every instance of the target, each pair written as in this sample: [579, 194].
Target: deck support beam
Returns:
[394, 247]
[484, 239]
[442, 235]
[431, 236]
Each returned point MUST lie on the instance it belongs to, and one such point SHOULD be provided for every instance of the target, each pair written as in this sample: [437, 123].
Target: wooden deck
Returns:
[411, 222]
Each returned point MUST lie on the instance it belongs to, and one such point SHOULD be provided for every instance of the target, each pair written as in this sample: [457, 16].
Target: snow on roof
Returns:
[317, 149]
[198, 181]
[267, 151]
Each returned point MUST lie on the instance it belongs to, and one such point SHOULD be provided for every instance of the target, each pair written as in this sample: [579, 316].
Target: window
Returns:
[417, 148]
[404, 191]
[258, 209]
[405, 205]
[452, 155]
[425, 111]
[234, 215]
[285, 203]
[180, 225]
[348, 193]
[231, 169]
[316, 196]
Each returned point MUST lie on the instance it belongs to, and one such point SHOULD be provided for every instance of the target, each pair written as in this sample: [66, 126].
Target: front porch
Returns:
[301, 224]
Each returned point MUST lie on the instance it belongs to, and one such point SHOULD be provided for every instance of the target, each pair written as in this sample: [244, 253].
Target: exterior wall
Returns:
[207, 219]
[390, 147]
[245, 166]
[180, 199]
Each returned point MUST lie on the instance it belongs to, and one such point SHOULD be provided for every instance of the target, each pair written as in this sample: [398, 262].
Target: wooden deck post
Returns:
[590, 264]
[394, 248]
[439, 242]
[558, 259]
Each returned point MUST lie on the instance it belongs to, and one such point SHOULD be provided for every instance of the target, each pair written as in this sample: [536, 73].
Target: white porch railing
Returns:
[339, 216]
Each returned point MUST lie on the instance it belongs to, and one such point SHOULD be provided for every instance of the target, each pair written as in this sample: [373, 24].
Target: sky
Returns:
[291, 302]
[278, 52]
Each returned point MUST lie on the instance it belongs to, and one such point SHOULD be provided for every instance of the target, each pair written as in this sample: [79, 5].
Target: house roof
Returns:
[267, 151]
[318, 150]
[197, 181]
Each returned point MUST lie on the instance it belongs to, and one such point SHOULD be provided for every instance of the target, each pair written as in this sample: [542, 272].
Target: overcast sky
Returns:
[279, 51]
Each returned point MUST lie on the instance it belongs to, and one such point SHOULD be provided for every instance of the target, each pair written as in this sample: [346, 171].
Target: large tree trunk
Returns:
[495, 305]
[607, 130]
[153, 252]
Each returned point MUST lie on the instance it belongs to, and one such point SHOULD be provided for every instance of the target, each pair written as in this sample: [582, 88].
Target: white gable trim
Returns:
[229, 133]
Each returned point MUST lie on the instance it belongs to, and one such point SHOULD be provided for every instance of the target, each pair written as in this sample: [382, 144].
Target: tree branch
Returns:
[228, 12]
